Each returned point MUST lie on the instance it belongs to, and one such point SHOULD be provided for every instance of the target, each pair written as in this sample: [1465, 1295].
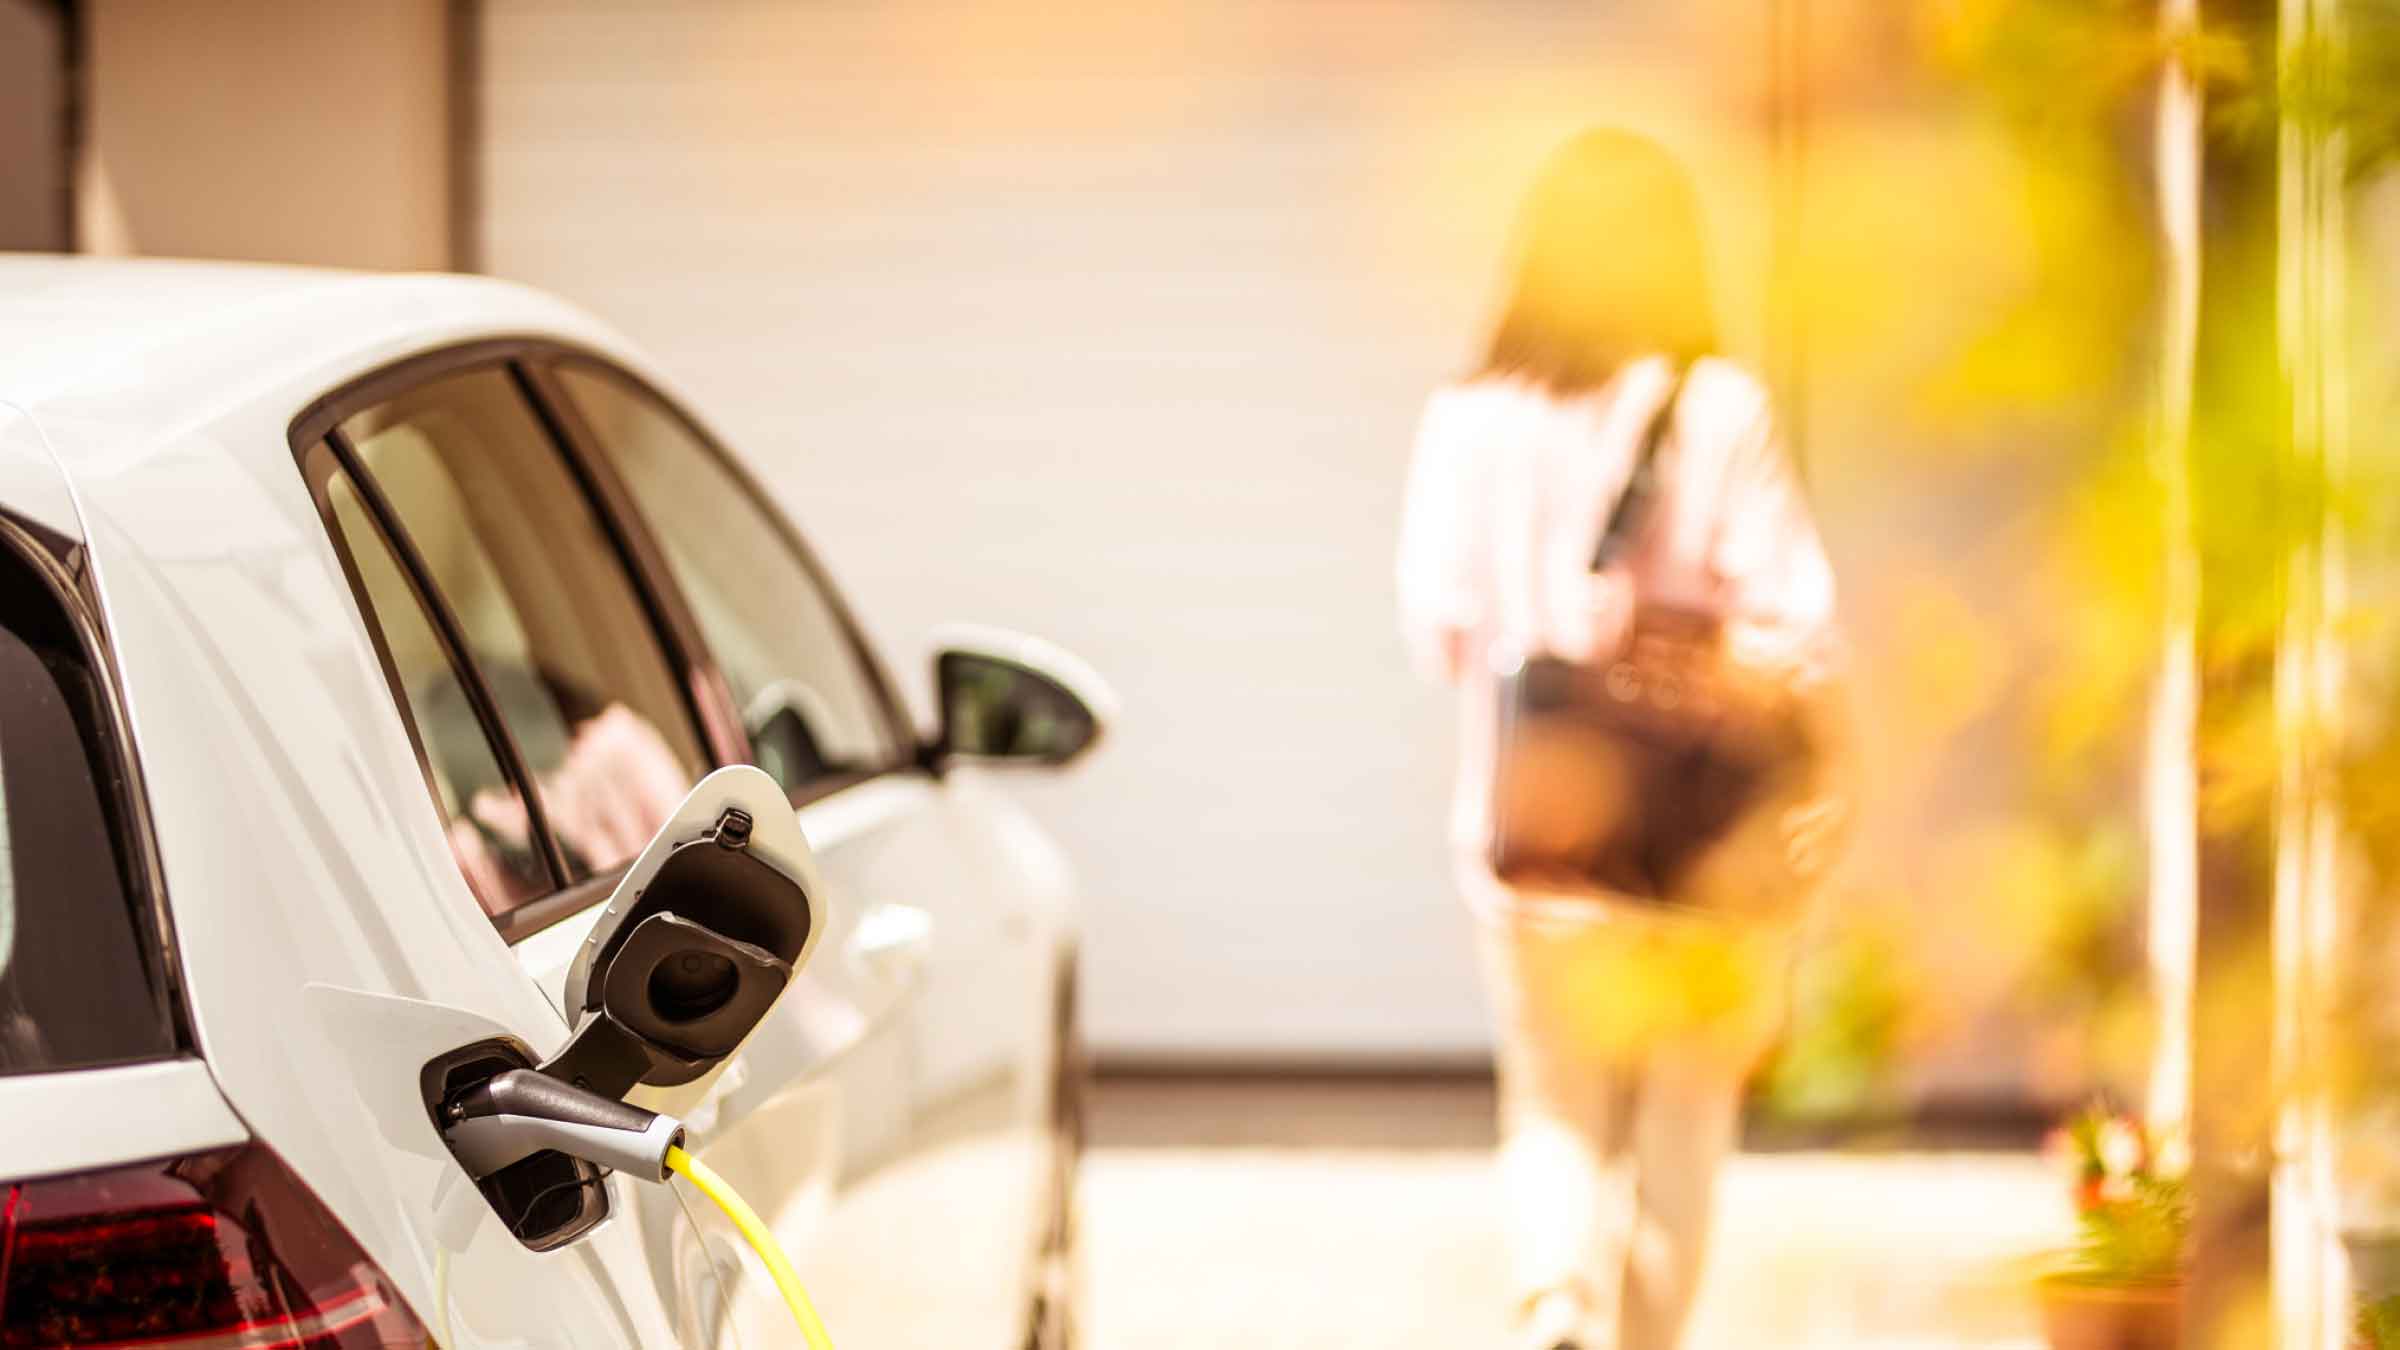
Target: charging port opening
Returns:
[547, 1200]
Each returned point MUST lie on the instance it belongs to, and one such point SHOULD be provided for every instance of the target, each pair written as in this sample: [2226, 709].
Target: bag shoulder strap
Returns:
[1632, 511]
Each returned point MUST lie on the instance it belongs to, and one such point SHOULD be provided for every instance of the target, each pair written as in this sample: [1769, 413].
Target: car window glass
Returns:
[810, 702]
[483, 813]
[550, 618]
[77, 986]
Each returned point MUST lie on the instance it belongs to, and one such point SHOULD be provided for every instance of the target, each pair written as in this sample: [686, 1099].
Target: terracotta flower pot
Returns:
[2083, 1315]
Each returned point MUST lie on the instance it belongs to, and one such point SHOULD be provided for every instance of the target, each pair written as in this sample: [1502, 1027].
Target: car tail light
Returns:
[224, 1250]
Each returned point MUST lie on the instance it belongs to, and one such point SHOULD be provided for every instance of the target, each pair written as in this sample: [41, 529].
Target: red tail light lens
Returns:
[214, 1251]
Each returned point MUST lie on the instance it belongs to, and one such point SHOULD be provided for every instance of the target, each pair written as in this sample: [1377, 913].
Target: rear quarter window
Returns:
[81, 977]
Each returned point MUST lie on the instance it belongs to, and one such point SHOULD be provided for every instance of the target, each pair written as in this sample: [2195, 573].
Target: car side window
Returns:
[815, 711]
[483, 810]
[554, 629]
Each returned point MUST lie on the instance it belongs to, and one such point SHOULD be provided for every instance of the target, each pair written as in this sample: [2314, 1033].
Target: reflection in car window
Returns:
[482, 811]
[550, 619]
[812, 708]
[76, 971]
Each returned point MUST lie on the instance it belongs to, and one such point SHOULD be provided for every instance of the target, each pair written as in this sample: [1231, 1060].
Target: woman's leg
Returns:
[1685, 1122]
[1566, 1176]
[1686, 1117]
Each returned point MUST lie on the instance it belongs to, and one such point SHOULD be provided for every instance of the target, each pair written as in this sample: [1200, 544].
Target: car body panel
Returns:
[330, 946]
[90, 1118]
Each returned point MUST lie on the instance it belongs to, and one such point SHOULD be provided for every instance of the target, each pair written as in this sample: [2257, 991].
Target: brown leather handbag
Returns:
[1636, 775]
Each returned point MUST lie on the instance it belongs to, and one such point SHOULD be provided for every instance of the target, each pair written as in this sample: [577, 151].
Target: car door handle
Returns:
[891, 941]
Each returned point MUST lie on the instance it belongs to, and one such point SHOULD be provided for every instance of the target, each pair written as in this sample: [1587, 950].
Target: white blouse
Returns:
[1510, 490]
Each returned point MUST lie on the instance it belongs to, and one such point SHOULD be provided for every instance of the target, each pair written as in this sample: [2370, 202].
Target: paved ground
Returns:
[1311, 1214]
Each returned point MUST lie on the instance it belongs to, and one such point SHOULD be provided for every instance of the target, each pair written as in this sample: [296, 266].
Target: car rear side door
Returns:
[531, 692]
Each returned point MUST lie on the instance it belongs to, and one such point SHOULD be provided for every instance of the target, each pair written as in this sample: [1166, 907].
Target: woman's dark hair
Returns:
[1610, 267]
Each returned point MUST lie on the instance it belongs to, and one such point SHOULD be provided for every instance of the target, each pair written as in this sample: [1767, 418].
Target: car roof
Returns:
[114, 356]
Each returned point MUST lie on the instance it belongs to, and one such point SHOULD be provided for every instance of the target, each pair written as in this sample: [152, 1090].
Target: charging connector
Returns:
[512, 1116]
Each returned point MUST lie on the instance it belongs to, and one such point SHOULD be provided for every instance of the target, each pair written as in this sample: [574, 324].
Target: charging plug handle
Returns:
[509, 1118]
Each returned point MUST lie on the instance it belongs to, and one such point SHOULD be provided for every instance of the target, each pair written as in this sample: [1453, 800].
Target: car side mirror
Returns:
[696, 943]
[1008, 698]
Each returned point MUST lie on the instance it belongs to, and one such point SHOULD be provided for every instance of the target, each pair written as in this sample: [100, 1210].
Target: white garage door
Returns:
[1110, 323]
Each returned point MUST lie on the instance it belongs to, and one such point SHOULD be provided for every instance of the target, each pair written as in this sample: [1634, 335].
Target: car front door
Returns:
[927, 1233]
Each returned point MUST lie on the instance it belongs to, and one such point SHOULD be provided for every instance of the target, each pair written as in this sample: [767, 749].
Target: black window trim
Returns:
[530, 360]
[331, 454]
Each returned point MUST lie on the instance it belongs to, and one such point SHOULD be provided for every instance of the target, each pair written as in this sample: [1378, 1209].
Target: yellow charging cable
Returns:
[761, 1241]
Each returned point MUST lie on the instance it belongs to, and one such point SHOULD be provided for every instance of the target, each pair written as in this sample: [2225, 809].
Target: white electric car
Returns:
[356, 633]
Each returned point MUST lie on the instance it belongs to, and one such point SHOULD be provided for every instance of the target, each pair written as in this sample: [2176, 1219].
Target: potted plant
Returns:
[2121, 1286]
[2378, 1324]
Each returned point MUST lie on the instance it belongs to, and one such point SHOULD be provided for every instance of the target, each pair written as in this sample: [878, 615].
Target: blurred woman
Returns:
[1627, 1025]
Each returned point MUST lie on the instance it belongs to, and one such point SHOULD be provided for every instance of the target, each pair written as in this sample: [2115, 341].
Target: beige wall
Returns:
[32, 126]
[258, 129]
